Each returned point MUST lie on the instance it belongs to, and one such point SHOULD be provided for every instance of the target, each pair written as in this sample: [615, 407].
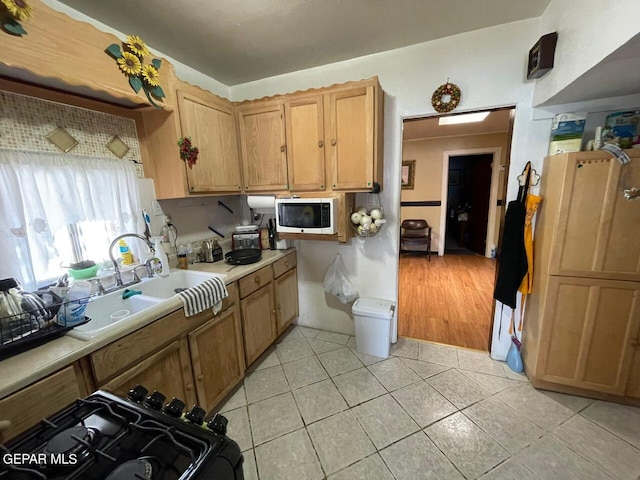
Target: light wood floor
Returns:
[447, 300]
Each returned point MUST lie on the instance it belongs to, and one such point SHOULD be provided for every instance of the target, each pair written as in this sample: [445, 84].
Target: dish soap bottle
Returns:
[125, 252]
[161, 267]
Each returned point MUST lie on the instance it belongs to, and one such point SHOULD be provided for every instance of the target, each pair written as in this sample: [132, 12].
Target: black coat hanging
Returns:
[512, 265]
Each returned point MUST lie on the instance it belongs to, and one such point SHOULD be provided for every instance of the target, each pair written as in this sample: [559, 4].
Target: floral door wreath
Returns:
[450, 90]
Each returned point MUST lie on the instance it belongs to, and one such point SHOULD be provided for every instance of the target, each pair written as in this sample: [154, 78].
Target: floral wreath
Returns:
[447, 89]
[188, 152]
[12, 12]
[141, 77]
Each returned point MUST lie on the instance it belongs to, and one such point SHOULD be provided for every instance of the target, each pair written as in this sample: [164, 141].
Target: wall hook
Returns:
[535, 178]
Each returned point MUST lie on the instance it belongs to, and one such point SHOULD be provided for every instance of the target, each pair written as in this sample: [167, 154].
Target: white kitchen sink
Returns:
[165, 287]
[111, 309]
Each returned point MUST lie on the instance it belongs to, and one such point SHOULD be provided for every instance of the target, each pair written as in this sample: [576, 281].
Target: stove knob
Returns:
[137, 393]
[218, 424]
[174, 408]
[155, 400]
[195, 415]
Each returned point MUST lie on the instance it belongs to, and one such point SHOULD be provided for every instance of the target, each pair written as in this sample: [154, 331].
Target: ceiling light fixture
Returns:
[466, 118]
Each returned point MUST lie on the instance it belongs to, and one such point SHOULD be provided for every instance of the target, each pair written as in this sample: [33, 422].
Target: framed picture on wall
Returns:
[408, 174]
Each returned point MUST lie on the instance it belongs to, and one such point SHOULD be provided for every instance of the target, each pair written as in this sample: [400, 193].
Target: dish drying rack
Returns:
[33, 327]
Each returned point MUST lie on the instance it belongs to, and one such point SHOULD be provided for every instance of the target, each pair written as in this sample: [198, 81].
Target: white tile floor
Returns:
[314, 408]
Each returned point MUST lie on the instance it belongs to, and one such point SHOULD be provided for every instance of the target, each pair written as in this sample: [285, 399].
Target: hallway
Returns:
[447, 300]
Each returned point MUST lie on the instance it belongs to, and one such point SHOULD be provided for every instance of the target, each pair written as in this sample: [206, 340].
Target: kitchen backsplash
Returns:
[26, 121]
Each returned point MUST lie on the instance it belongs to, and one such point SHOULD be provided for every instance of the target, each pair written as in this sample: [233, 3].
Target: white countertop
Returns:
[21, 370]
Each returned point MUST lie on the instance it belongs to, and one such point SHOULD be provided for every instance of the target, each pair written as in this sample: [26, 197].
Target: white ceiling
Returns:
[237, 41]
[421, 128]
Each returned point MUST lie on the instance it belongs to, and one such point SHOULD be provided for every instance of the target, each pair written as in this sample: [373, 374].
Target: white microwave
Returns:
[307, 215]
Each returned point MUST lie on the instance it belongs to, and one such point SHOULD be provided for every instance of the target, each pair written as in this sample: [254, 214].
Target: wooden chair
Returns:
[415, 236]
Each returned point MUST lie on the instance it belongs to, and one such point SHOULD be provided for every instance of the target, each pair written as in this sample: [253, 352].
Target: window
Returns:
[58, 209]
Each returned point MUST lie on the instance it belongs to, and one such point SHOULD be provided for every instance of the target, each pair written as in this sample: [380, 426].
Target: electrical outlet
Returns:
[157, 209]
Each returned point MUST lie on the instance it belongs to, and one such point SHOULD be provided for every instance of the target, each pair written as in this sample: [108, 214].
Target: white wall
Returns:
[588, 31]
[490, 72]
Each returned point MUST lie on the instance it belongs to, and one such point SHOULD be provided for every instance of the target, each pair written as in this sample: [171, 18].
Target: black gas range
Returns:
[104, 437]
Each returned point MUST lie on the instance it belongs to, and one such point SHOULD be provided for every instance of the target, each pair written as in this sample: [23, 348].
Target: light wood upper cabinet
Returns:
[263, 146]
[589, 336]
[592, 238]
[329, 139]
[211, 125]
[168, 371]
[350, 138]
[217, 355]
[304, 120]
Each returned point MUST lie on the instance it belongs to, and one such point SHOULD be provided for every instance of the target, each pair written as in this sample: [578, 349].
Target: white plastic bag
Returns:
[336, 282]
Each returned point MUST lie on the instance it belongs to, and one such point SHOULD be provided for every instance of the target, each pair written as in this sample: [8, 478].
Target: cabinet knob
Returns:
[333, 142]
[283, 148]
[321, 144]
[5, 425]
[635, 343]
[257, 280]
[286, 264]
[200, 378]
[189, 387]
[279, 307]
[322, 187]
[273, 312]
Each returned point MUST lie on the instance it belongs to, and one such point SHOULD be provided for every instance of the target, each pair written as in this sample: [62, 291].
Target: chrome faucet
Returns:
[117, 275]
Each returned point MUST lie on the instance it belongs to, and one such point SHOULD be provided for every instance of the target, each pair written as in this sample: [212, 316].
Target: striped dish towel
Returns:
[208, 294]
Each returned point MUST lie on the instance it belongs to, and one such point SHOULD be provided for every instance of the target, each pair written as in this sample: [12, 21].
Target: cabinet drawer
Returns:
[27, 407]
[232, 299]
[254, 281]
[284, 264]
[117, 356]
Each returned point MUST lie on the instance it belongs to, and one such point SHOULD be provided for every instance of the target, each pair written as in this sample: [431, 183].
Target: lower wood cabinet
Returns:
[633, 389]
[168, 371]
[198, 359]
[589, 336]
[27, 407]
[217, 357]
[258, 322]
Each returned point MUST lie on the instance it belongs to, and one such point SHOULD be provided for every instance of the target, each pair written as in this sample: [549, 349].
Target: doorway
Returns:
[460, 183]
[469, 189]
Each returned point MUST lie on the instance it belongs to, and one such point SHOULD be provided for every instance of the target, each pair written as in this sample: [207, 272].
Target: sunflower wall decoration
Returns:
[130, 60]
[12, 12]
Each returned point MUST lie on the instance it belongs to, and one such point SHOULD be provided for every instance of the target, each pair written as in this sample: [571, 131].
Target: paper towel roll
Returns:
[262, 203]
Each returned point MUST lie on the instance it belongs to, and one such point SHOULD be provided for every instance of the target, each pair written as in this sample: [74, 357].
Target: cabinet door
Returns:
[168, 371]
[304, 120]
[262, 140]
[286, 288]
[597, 227]
[588, 333]
[211, 126]
[351, 138]
[27, 407]
[217, 356]
[258, 322]
[633, 389]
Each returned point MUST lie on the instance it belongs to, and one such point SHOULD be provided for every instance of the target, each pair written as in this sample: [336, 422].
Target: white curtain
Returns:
[42, 193]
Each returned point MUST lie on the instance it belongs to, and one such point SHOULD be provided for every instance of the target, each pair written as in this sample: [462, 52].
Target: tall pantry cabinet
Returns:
[582, 321]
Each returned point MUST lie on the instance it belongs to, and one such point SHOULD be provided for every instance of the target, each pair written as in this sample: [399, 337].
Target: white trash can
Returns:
[372, 318]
